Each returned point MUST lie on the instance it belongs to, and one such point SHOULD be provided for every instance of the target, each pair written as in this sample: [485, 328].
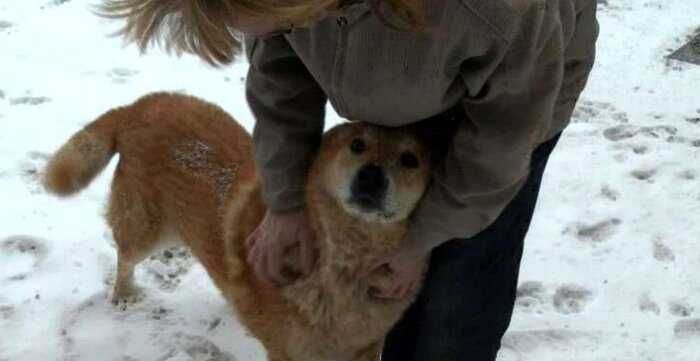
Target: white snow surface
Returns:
[609, 271]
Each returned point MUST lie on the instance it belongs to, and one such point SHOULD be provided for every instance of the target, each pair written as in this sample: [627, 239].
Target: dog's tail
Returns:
[85, 154]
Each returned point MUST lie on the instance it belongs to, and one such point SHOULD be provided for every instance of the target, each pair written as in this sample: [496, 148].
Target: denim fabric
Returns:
[468, 296]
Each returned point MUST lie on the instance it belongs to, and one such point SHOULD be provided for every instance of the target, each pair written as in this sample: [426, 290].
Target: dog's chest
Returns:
[335, 323]
[336, 318]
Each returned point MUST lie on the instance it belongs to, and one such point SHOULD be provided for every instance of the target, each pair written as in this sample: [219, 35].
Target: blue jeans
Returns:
[468, 296]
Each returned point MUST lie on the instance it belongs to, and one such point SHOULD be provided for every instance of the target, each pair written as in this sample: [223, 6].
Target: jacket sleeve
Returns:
[289, 109]
[509, 106]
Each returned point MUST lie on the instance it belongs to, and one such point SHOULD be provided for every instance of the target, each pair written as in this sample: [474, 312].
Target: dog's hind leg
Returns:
[136, 227]
[124, 291]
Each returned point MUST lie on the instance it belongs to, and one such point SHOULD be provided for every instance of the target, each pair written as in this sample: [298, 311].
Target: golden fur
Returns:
[186, 169]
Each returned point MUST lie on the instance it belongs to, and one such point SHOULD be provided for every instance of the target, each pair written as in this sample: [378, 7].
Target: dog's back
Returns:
[182, 162]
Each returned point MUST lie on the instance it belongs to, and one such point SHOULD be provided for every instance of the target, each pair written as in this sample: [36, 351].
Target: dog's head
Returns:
[377, 174]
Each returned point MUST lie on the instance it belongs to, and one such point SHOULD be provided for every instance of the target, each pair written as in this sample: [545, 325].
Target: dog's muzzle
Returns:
[369, 188]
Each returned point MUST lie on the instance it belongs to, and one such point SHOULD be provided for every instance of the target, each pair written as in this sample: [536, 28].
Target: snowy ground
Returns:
[609, 270]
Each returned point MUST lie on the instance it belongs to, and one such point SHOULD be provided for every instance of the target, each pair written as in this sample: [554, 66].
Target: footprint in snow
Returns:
[646, 304]
[121, 75]
[684, 140]
[145, 327]
[29, 100]
[31, 168]
[195, 348]
[571, 298]
[624, 149]
[53, 3]
[688, 175]
[640, 149]
[594, 233]
[168, 266]
[526, 345]
[21, 255]
[97, 311]
[530, 296]
[626, 131]
[609, 193]
[694, 119]
[687, 328]
[662, 252]
[665, 132]
[7, 310]
[644, 174]
[587, 111]
[680, 309]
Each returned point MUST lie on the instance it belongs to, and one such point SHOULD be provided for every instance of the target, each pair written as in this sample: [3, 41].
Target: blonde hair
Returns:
[207, 29]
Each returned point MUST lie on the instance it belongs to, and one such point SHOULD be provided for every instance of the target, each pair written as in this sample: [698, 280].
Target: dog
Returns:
[186, 174]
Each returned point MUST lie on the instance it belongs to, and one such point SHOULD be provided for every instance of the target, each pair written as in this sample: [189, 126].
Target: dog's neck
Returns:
[348, 245]
[335, 299]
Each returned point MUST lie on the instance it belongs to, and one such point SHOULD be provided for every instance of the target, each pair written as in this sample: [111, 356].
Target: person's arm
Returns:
[511, 101]
[289, 110]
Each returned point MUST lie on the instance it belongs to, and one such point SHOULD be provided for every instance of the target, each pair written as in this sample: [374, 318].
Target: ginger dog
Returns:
[186, 174]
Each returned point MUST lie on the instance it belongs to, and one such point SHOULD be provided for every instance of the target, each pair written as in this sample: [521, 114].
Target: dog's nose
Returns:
[369, 187]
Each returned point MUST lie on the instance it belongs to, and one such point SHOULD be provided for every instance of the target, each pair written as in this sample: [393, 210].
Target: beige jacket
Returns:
[516, 66]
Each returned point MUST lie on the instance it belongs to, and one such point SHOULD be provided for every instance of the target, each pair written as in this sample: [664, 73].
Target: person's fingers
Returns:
[388, 292]
[377, 266]
[381, 293]
[253, 249]
[252, 238]
[252, 256]
[260, 269]
[273, 267]
[396, 292]
[404, 286]
[249, 241]
[413, 287]
[406, 290]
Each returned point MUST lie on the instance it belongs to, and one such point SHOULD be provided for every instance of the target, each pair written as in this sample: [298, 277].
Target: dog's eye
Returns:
[409, 160]
[358, 146]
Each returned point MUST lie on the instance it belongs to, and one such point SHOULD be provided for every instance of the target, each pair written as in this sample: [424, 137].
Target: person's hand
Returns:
[402, 272]
[270, 245]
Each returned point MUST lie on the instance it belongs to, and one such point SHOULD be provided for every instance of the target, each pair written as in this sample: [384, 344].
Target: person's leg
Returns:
[468, 296]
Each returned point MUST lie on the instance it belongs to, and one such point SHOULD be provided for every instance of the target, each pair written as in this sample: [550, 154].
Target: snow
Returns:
[610, 261]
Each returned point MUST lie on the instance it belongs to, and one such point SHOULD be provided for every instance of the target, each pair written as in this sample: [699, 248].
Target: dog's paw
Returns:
[122, 299]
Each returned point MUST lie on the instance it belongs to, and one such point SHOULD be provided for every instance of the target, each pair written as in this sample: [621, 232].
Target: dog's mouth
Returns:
[367, 203]
[370, 209]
